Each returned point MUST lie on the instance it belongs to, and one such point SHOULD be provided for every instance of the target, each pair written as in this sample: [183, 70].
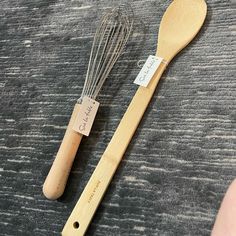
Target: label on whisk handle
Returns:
[86, 115]
[148, 71]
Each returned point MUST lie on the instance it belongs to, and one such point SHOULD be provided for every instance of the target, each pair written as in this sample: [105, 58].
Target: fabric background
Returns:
[182, 157]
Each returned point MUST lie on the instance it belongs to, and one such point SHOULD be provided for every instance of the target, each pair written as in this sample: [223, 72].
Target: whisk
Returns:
[109, 41]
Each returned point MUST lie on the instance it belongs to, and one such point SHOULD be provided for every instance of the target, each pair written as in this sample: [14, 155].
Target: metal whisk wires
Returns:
[109, 41]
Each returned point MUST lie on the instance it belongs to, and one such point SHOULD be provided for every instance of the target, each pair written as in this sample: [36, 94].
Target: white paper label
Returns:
[86, 115]
[148, 71]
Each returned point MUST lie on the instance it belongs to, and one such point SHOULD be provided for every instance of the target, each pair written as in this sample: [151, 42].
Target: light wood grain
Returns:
[188, 17]
[56, 180]
[99, 181]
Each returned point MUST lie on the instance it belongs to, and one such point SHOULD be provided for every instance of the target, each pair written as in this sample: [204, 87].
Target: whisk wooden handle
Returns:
[92, 195]
[55, 182]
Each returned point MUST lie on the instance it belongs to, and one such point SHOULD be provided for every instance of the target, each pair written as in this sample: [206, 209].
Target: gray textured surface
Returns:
[182, 158]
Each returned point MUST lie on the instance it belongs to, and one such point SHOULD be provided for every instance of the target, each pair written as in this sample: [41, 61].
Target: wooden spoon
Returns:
[180, 23]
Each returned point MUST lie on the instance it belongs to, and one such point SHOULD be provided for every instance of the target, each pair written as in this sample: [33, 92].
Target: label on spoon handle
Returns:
[148, 71]
[86, 115]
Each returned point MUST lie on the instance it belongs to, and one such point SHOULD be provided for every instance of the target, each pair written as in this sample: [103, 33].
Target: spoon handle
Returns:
[55, 182]
[85, 208]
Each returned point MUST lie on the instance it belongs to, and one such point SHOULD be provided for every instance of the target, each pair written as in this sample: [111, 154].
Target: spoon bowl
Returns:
[179, 25]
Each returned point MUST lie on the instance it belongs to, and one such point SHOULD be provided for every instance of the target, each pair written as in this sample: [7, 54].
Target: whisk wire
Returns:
[92, 57]
[106, 63]
[103, 59]
[109, 41]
